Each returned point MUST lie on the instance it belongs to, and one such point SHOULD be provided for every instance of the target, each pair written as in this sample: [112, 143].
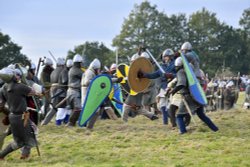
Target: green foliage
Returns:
[245, 36]
[245, 21]
[10, 52]
[204, 29]
[146, 25]
[92, 50]
[143, 26]
[234, 50]
[218, 45]
[176, 31]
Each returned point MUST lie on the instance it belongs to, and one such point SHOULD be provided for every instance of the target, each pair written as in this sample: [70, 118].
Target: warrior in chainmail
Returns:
[74, 90]
[192, 58]
[90, 73]
[133, 103]
[63, 112]
[54, 79]
[14, 94]
[45, 80]
[182, 88]
[168, 67]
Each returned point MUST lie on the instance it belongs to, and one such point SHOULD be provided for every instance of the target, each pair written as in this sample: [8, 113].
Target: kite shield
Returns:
[98, 90]
[195, 88]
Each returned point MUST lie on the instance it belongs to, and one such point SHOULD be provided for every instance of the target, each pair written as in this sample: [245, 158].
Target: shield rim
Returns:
[132, 75]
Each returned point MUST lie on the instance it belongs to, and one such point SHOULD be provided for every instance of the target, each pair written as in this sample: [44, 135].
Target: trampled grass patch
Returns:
[142, 142]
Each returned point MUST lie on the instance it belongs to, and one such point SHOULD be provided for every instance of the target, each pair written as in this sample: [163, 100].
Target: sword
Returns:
[26, 121]
[129, 59]
[157, 64]
[36, 143]
[106, 68]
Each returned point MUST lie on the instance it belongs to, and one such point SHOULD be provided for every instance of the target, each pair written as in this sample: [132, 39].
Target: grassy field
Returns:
[142, 142]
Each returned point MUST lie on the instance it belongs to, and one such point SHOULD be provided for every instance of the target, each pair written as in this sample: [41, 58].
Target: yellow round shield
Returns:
[139, 84]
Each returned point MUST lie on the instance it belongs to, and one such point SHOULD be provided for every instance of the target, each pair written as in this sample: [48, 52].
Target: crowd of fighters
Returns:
[222, 93]
[65, 88]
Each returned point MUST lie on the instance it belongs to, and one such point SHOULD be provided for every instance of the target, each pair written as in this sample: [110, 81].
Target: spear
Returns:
[116, 57]
[85, 65]
[52, 56]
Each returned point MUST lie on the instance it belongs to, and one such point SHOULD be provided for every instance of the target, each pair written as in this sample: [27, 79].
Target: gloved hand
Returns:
[119, 79]
[140, 74]
[169, 75]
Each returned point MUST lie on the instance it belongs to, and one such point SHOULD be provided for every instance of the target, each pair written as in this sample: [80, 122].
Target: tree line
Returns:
[218, 45]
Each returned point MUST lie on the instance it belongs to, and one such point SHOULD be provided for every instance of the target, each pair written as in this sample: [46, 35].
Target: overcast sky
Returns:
[59, 25]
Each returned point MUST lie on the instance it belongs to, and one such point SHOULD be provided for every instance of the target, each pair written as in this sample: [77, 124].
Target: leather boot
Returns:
[73, 118]
[92, 120]
[24, 157]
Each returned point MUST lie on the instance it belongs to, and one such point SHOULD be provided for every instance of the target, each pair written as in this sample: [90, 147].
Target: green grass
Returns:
[142, 142]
